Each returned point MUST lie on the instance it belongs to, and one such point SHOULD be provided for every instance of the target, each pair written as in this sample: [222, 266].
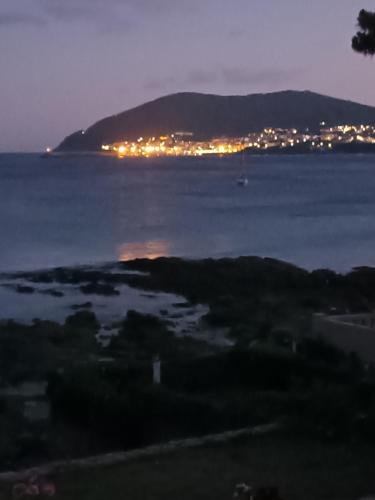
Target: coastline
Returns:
[111, 289]
[344, 149]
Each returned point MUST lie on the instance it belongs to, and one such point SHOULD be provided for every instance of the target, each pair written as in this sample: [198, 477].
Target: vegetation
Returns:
[103, 398]
[30, 352]
[321, 392]
[364, 40]
[142, 336]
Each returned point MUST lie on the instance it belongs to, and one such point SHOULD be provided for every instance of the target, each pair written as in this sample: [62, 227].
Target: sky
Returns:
[64, 64]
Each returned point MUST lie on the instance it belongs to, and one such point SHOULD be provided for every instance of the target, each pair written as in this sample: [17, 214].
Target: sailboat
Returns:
[242, 180]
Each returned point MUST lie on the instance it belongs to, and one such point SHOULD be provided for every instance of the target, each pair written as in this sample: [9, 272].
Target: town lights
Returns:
[182, 144]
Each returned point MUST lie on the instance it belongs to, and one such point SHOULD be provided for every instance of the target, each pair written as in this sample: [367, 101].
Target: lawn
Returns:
[302, 469]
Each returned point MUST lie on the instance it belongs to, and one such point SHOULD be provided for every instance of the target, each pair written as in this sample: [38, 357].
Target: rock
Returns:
[85, 305]
[52, 292]
[182, 304]
[25, 289]
[99, 289]
[176, 316]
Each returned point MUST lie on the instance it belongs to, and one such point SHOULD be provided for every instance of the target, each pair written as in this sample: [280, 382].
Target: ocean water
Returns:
[314, 211]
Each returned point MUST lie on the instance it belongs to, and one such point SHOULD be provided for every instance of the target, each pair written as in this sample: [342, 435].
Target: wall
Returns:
[350, 332]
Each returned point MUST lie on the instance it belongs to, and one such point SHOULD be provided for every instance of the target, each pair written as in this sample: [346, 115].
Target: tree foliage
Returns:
[364, 40]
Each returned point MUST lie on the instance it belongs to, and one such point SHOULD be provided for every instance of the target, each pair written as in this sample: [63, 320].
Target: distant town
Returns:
[183, 143]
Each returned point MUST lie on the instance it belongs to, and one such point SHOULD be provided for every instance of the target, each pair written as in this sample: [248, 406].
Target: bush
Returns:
[145, 335]
[251, 369]
[328, 412]
[129, 415]
[83, 320]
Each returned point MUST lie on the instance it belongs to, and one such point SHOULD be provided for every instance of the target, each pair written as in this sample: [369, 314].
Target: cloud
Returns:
[15, 18]
[201, 77]
[70, 10]
[111, 15]
[194, 77]
[94, 11]
[73, 10]
[235, 77]
[108, 14]
[237, 33]
[242, 76]
[160, 83]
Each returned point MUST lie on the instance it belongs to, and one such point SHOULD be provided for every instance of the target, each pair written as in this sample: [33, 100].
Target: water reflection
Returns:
[151, 249]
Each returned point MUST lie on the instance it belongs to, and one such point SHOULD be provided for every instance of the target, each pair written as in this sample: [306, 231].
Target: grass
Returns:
[302, 469]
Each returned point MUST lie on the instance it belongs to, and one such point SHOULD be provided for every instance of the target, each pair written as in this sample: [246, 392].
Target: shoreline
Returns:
[105, 265]
[267, 152]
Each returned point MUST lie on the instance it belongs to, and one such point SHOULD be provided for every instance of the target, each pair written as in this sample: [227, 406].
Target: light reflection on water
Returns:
[151, 249]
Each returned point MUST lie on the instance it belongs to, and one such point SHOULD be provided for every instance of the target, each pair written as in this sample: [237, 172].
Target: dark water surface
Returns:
[315, 211]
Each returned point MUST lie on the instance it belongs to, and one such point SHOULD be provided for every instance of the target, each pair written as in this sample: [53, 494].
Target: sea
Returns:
[315, 211]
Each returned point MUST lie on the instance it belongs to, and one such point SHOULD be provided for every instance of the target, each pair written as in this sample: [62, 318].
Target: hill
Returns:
[210, 116]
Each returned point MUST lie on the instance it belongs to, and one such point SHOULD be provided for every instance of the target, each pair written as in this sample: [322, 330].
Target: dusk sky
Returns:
[67, 63]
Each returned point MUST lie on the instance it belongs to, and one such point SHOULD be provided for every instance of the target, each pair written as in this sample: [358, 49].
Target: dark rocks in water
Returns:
[43, 277]
[170, 323]
[27, 289]
[52, 292]
[184, 305]
[36, 276]
[99, 289]
[72, 276]
[176, 316]
[24, 289]
[85, 305]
